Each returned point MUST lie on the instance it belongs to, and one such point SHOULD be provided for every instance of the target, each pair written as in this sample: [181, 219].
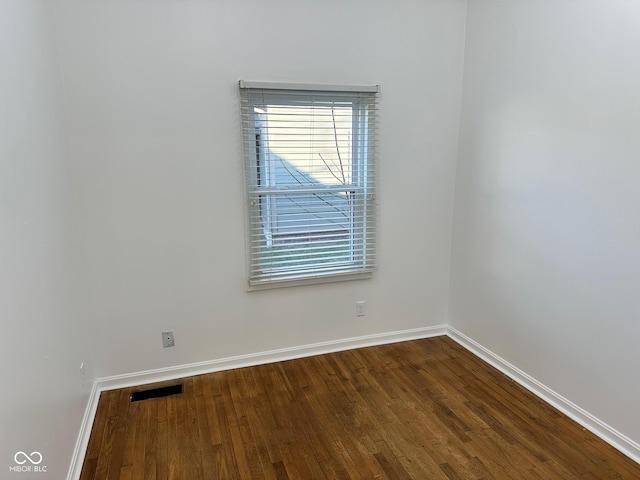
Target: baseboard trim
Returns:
[607, 433]
[80, 449]
[610, 435]
[261, 358]
[239, 361]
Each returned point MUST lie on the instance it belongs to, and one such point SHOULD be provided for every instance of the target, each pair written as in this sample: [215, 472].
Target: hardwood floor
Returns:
[425, 409]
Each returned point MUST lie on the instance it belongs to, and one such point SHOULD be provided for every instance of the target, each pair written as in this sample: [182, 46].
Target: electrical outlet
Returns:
[360, 308]
[167, 339]
[83, 375]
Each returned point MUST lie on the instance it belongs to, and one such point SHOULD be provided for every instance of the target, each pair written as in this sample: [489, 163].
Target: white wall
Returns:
[121, 204]
[546, 259]
[154, 121]
[41, 299]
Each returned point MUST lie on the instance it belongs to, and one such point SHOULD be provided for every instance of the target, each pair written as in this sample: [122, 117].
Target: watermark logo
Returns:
[35, 458]
[28, 463]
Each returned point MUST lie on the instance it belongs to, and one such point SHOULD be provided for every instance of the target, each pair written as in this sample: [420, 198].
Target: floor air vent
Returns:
[156, 393]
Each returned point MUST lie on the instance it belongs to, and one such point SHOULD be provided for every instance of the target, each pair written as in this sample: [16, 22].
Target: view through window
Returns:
[309, 163]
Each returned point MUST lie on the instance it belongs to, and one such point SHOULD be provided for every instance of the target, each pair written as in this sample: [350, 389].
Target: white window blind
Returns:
[309, 158]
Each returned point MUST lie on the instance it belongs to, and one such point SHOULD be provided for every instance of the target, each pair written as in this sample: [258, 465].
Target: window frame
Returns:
[262, 193]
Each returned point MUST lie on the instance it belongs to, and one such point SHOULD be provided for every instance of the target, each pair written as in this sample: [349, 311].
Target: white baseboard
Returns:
[261, 358]
[80, 449]
[239, 361]
[607, 433]
[584, 418]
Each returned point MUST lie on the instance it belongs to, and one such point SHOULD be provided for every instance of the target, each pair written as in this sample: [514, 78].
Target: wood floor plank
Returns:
[162, 441]
[174, 461]
[151, 441]
[89, 468]
[425, 409]
[243, 411]
[95, 445]
[119, 435]
[235, 449]
[139, 442]
[205, 433]
[187, 429]
[125, 473]
[106, 449]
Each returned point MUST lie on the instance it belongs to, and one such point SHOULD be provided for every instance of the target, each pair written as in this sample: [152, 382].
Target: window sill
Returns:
[300, 281]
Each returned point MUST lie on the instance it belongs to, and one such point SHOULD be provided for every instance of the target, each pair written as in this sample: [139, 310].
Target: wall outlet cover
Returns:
[167, 339]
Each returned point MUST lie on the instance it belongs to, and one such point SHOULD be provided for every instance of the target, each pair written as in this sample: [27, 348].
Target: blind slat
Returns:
[309, 161]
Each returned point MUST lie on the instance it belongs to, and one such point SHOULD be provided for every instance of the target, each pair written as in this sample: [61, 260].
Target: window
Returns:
[310, 182]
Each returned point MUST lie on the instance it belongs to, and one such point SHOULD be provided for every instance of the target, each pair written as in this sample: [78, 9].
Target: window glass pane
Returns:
[308, 144]
[311, 213]
[309, 170]
[294, 252]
